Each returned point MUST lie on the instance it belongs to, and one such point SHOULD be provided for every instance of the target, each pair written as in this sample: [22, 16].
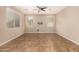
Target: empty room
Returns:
[39, 28]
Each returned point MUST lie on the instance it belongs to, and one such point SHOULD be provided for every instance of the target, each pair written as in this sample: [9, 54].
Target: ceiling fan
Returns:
[42, 8]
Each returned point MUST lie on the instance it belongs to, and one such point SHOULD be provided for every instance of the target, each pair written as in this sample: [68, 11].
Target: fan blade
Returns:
[43, 9]
[38, 7]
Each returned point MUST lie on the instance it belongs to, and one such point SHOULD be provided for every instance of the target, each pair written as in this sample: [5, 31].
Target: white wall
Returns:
[44, 28]
[6, 33]
[67, 23]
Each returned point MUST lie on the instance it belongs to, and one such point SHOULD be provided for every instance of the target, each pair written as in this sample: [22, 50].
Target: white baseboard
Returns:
[68, 39]
[39, 32]
[10, 39]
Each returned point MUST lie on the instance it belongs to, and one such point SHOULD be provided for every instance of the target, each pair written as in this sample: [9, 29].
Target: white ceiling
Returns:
[34, 9]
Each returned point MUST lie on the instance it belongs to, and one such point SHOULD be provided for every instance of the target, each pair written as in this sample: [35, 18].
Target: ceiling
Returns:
[34, 9]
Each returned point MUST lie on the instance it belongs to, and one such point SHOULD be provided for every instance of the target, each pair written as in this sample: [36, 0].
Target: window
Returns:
[13, 19]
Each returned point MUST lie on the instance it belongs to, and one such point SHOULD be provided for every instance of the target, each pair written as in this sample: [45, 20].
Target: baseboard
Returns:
[68, 39]
[39, 32]
[10, 39]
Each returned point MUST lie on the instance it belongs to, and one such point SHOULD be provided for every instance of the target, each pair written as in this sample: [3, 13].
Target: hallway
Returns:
[40, 43]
